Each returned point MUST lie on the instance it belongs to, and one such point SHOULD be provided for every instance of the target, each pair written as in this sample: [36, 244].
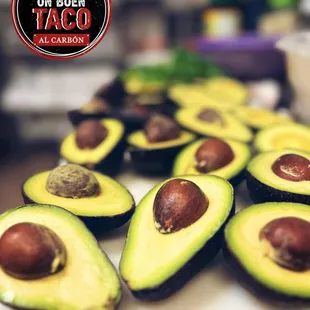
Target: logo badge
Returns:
[61, 29]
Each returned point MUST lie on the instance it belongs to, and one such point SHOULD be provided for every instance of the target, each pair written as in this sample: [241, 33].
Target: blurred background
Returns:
[37, 93]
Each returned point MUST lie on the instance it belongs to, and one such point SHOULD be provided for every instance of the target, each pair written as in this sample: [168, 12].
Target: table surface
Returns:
[213, 288]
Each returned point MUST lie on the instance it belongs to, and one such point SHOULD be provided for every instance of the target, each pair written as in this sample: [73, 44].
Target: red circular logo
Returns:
[61, 29]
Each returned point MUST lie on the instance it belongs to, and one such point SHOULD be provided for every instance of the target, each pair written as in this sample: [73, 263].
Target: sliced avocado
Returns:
[258, 119]
[186, 164]
[156, 158]
[254, 259]
[87, 281]
[279, 137]
[229, 127]
[266, 182]
[107, 157]
[156, 263]
[227, 91]
[110, 207]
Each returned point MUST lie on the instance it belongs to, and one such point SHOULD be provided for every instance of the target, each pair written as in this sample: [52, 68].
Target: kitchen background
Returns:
[37, 93]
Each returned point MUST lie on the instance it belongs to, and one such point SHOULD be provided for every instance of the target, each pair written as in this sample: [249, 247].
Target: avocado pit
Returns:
[161, 128]
[72, 181]
[90, 134]
[286, 241]
[292, 167]
[31, 251]
[211, 116]
[212, 155]
[178, 204]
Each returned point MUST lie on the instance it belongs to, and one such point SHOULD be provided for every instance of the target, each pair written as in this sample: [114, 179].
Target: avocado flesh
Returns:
[113, 199]
[71, 152]
[135, 85]
[242, 240]
[261, 169]
[280, 137]
[185, 163]
[233, 128]
[151, 258]
[260, 118]
[139, 140]
[88, 281]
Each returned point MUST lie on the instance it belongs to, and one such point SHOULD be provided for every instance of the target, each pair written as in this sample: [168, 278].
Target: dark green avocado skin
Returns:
[97, 225]
[257, 289]
[112, 163]
[236, 180]
[260, 192]
[199, 261]
[154, 161]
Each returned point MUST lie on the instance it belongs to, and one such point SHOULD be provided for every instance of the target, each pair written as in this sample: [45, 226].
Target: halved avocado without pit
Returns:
[233, 168]
[267, 248]
[279, 137]
[102, 203]
[87, 279]
[280, 176]
[211, 122]
[106, 157]
[176, 230]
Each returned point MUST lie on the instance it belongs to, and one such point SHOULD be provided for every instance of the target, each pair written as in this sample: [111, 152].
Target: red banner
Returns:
[61, 39]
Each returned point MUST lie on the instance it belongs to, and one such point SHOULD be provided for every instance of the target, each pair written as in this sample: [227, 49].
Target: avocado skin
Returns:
[112, 163]
[260, 193]
[154, 161]
[96, 225]
[256, 288]
[202, 258]
[236, 180]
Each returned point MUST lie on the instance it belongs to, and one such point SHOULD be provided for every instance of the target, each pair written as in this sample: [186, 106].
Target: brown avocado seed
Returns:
[292, 167]
[178, 204]
[287, 242]
[211, 116]
[161, 128]
[213, 155]
[31, 251]
[90, 134]
[72, 181]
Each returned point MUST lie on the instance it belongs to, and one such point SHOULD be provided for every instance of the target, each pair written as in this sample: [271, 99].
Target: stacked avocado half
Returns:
[202, 151]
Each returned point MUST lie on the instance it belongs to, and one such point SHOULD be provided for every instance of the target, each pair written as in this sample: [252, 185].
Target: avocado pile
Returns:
[203, 139]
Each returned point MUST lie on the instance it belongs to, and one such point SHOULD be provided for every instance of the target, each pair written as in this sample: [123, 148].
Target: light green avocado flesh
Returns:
[112, 200]
[185, 162]
[261, 169]
[281, 137]
[233, 129]
[138, 139]
[88, 281]
[242, 238]
[70, 151]
[150, 258]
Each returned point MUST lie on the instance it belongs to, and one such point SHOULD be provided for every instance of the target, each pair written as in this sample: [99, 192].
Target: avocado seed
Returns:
[287, 242]
[213, 155]
[31, 251]
[90, 134]
[178, 204]
[72, 181]
[161, 128]
[211, 116]
[292, 167]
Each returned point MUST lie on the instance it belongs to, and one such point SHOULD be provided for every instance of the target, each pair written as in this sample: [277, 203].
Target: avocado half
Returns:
[106, 157]
[111, 208]
[265, 186]
[278, 137]
[234, 172]
[258, 119]
[155, 158]
[246, 257]
[232, 128]
[156, 265]
[88, 280]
